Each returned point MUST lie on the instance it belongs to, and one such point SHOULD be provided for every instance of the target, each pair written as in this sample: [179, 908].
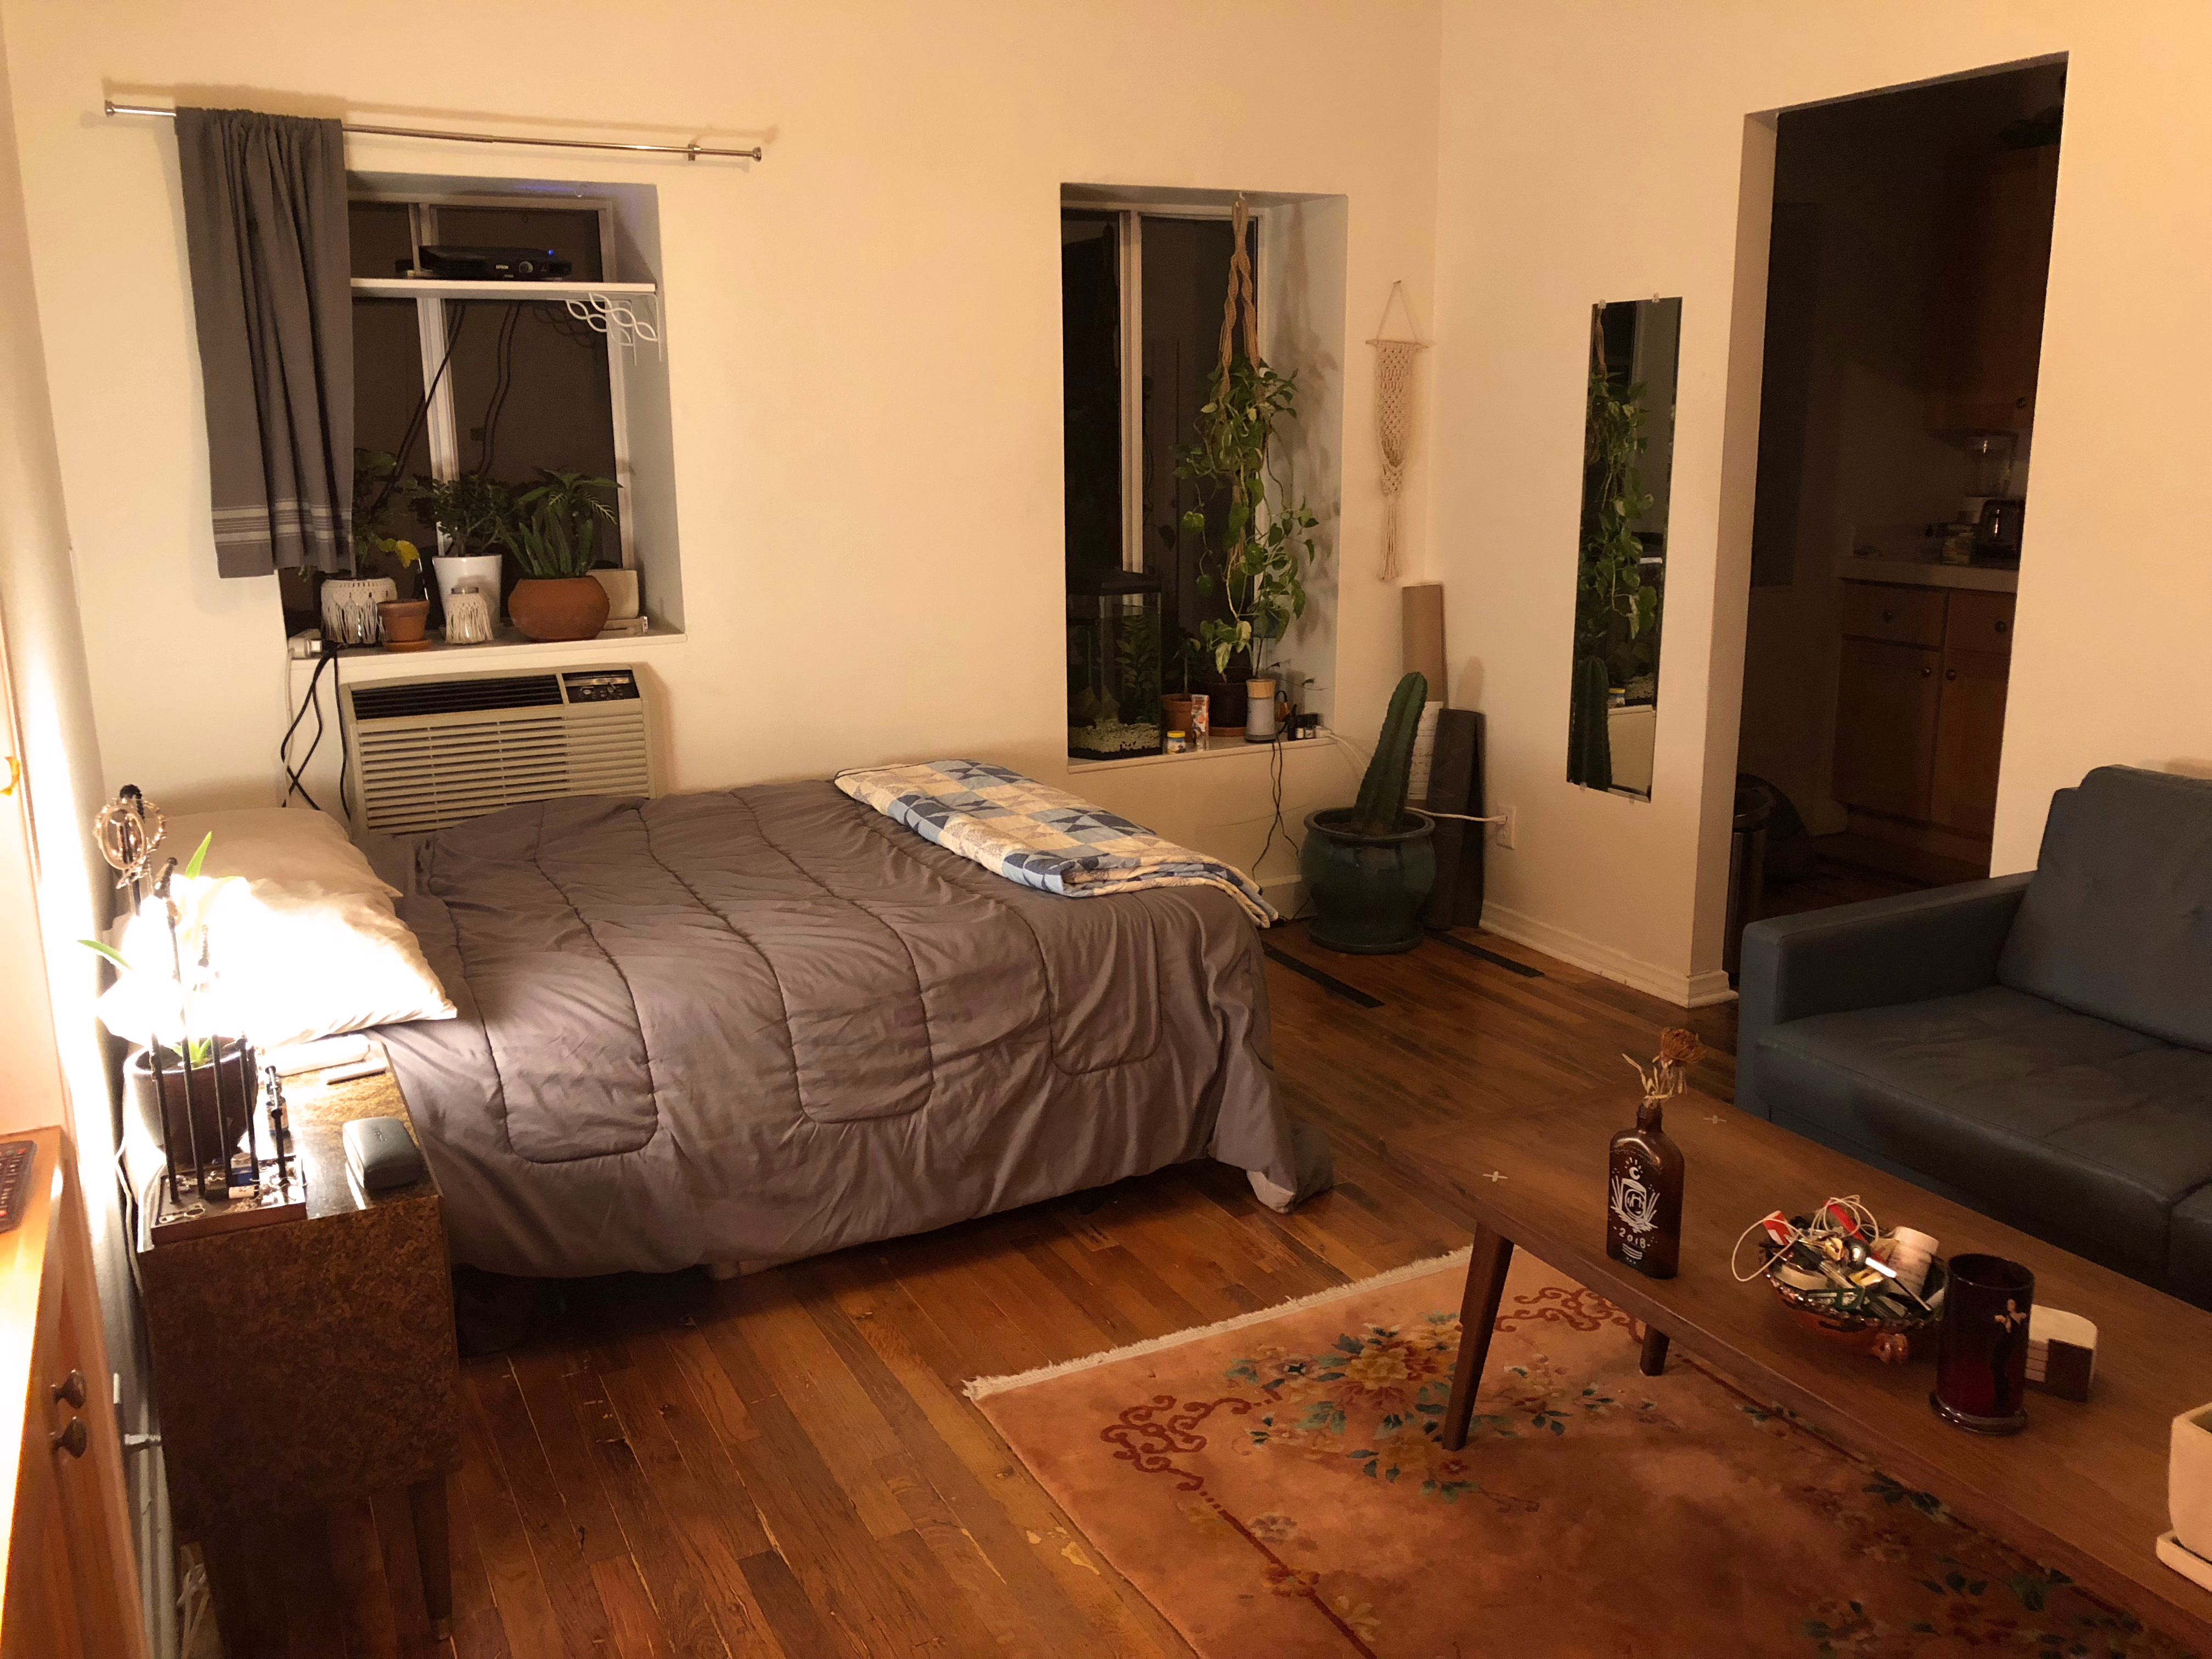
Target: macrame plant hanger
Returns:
[1395, 356]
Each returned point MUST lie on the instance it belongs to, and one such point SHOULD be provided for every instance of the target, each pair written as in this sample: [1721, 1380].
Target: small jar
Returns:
[1178, 743]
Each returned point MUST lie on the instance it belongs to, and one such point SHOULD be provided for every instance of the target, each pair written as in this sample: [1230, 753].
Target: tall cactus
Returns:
[1382, 807]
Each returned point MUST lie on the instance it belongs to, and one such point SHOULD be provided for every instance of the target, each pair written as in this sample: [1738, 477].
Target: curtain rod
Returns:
[689, 152]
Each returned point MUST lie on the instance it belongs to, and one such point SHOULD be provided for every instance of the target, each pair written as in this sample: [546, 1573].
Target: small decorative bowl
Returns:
[1890, 1340]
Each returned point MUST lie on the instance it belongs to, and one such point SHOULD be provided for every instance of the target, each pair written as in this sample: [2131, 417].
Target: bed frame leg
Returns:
[721, 1272]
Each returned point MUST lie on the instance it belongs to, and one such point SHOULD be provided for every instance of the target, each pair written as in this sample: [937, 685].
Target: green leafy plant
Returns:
[1616, 610]
[376, 548]
[1260, 568]
[188, 918]
[1381, 808]
[477, 511]
[555, 524]
[1267, 540]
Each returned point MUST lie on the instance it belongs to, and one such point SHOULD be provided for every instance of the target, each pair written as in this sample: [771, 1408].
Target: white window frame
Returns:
[1130, 218]
[441, 426]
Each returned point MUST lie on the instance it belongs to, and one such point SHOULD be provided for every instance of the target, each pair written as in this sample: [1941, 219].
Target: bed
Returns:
[748, 1026]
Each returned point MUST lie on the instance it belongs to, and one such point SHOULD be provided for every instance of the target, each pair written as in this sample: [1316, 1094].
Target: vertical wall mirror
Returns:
[1621, 586]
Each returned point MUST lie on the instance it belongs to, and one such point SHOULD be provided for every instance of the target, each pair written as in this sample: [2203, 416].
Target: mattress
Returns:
[757, 1025]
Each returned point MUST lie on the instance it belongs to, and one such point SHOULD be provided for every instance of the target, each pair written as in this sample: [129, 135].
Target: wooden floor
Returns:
[786, 1464]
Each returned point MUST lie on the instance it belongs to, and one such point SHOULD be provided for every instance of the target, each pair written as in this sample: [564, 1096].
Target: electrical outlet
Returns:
[1502, 833]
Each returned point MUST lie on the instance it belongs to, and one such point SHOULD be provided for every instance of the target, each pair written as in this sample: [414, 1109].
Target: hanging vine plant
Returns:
[1259, 569]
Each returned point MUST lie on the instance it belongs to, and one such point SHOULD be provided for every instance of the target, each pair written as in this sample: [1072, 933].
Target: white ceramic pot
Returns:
[477, 570]
[1259, 711]
[349, 604]
[621, 593]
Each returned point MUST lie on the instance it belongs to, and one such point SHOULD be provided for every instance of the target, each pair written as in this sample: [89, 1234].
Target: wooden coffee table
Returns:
[2082, 1489]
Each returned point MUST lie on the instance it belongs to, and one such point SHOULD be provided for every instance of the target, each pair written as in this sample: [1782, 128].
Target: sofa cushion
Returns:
[2091, 1128]
[2118, 921]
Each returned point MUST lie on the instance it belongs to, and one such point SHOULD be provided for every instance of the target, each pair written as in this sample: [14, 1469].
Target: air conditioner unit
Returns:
[425, 753]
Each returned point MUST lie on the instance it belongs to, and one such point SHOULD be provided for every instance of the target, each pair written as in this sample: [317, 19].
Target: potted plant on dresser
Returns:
[555, 536]
[1368, 867]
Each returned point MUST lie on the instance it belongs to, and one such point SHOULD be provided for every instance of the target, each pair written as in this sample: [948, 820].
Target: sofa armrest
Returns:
[1916, 946]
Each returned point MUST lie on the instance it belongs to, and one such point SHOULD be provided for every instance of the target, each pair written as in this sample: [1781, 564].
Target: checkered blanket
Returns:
[1041, 836]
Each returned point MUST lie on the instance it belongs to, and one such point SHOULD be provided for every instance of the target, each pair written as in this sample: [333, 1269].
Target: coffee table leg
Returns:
[1655, 1351]
[1478, 1317]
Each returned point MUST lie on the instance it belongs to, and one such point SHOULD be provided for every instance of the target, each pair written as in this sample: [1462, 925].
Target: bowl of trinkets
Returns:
[1842, 1274]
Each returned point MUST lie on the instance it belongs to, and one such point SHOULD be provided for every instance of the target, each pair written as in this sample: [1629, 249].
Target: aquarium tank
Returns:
[1113, 666]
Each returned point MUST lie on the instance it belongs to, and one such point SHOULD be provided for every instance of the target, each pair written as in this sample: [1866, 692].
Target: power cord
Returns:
[328, 659]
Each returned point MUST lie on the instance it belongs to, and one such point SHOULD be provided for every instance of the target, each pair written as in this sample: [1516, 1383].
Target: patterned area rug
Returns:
[1277, 1487]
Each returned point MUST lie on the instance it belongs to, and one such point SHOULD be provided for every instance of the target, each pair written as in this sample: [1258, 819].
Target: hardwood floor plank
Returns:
[540, 1372]
[554, 1538]
[511, 1571]
[904, 1360]
[365, 1609]
[403, 1574]
[637, 1633]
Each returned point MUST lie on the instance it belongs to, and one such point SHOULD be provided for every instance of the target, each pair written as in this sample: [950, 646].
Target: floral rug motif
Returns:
[1281, 1489]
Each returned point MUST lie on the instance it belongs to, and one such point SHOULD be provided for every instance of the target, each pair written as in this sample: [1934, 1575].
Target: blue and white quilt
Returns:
[1041, 836]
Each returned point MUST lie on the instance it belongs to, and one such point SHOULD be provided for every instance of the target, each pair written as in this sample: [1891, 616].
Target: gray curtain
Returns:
[265, 230]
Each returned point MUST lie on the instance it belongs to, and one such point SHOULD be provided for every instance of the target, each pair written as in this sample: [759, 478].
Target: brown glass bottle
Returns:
[1643, 1196]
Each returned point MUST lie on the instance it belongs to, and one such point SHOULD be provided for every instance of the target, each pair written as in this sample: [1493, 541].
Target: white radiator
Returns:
[423, 754]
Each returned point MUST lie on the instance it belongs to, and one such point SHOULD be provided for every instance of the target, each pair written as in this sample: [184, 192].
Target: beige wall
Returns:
[1561, 184]
[864, 337]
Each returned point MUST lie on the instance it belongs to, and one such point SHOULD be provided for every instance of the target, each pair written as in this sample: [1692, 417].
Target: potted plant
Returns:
[376, 551]
[554, 535]
[191, 1089]
[475, 512]
[1259, 569]
[1368, 867]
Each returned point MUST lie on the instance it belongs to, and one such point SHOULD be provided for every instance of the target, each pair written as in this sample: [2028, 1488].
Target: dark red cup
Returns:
[1981, 1360]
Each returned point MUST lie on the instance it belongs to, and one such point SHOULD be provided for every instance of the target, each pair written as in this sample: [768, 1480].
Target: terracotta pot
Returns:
[558, 607]
[1187, 712]
[405, 621]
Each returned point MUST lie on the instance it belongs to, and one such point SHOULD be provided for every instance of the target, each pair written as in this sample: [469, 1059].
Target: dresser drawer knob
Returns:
[1889, 616]
[1927, 673]
[2004, 627]
[70, 1390]
[71, 1439]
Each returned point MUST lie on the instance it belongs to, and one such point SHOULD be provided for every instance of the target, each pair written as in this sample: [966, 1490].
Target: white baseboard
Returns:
[1683, 990]
[1286, 893]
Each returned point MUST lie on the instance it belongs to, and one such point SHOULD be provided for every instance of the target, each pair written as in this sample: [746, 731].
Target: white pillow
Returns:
[303, 942]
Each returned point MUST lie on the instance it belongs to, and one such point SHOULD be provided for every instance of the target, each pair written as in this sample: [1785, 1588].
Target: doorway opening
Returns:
[1910, 246]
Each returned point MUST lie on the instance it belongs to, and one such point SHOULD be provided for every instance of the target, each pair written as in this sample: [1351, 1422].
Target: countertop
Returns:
[1918, 573]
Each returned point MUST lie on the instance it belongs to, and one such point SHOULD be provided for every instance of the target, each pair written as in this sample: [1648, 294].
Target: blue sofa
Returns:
[2037, 1046]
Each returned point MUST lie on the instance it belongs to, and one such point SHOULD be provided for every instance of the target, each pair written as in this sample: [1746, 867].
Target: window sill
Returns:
[1213, 749]
[505, 649]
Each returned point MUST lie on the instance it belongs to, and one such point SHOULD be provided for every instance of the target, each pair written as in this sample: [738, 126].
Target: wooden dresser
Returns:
[72, 1589]
[306, 1363]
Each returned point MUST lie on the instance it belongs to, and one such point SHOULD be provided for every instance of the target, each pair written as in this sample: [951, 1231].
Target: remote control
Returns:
[15, 1158]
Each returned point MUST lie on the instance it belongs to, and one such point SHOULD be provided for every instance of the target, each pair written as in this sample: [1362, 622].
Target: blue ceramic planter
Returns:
[1367, 891]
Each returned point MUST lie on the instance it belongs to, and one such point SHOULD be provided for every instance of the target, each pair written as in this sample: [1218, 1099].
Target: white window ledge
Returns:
[1212, 748]
[505, 649]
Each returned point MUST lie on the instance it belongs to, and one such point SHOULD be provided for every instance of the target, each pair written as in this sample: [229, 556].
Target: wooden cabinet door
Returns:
[1885, 708]
[1986, 331]
[1969, 737]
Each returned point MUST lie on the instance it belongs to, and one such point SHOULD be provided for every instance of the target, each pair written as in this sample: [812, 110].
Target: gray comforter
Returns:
[758, 1025]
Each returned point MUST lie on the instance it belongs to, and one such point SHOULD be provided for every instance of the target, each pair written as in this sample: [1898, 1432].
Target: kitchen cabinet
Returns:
[72, 1589]
[1920, 707]
[1887, 711]
[1985, 327]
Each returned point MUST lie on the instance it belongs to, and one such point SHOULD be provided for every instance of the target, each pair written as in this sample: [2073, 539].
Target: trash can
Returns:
[1747, 871]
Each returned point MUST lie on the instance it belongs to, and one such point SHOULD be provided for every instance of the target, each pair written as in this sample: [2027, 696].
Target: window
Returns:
[508, 388]
[1141, 294]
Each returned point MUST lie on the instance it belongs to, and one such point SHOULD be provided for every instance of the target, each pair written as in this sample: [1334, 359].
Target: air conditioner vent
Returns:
[411, 698]
[424, 754]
